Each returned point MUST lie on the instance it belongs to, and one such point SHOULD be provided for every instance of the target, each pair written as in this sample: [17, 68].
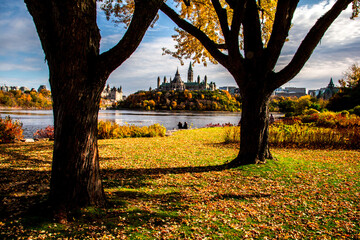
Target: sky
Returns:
[22, 61]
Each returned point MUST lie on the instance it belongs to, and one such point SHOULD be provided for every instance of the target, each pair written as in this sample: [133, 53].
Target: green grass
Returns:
[165, 188]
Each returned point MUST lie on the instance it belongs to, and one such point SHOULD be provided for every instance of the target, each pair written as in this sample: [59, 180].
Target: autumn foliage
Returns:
[183, 100]
[10, 130]
[315, 131]
[172, 188]
[47, 132]
[111, 130]
[30, 99]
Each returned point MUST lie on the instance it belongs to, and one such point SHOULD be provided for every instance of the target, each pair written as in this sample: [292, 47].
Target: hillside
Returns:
[182, 100]
[28, 99]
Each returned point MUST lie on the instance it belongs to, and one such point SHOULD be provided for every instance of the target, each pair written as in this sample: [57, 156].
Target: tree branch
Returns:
[284, 14]
[145, 12]
[252, 30]
[309, 43]
[209, 45]
[221, 46]
[222, 16]
[238, 16]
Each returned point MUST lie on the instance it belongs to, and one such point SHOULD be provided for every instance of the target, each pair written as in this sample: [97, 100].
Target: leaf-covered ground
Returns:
[171, 188]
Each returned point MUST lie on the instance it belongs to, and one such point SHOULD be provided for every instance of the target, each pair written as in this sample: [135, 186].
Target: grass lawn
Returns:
[170, 188]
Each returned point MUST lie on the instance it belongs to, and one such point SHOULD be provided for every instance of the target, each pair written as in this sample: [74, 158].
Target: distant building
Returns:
[178, 84]
[114, 94]
[41, 88]
[14, 88]
[290, 92]
[5, 88]
[24, 89]
[325, 93]
[230, 89]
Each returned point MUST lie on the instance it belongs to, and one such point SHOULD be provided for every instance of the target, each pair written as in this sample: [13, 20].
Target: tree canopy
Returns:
[247, 37]
[215, 18]
[351, 77]
[349, 95]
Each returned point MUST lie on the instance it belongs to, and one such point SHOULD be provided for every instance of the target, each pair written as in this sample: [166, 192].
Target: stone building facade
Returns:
[114, 94]
[325, 93]
[178, 84]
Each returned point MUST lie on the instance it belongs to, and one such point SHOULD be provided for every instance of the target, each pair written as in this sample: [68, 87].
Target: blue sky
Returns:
[22, 59]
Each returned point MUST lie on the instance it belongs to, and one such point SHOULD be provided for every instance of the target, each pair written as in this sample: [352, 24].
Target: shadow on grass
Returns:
[23, 193]
[162, 171]
[18, 159]
[136, 178]
[243, 196]
[20, 190]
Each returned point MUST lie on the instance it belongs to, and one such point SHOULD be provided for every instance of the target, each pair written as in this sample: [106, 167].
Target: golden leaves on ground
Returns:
[171, 188]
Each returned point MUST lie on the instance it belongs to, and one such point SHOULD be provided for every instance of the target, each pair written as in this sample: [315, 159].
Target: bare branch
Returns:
[145, 12]
[284, 14]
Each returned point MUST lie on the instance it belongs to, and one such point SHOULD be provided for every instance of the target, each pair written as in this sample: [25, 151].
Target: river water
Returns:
[38, 119]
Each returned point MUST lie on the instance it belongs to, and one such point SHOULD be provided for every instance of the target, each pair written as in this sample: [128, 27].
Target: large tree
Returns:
[246, 37]
[70, 39]
[349, 95]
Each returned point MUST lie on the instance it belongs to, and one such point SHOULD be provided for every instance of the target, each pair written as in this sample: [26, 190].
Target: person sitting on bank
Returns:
[272, 119]
[180, 125]
[185, 125]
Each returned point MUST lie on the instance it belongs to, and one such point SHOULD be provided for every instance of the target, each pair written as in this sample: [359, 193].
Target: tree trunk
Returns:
[71, 41]
[75, 177]
[254, 131]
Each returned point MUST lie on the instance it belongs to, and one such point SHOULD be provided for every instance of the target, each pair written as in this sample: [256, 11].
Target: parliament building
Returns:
[178, 84]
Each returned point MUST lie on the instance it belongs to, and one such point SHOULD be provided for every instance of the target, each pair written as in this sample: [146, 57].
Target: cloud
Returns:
[143, 68]
[18, 33]
[21, 51]
[21, 67]
[338, 49]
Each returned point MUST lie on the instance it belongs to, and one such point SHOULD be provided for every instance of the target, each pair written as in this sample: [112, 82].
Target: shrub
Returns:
[293, 132]
[344, 113]
[297, 135]
[48, 132]
[219, 125]
[111, 130]
[232, 134]
[357, 110]
[10, 131]
[310, 111]
[326, 119]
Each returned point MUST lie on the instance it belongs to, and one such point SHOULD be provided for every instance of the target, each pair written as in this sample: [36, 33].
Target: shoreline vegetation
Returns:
[173, 188]
[26, 100]
[312, 130]
[217, 100]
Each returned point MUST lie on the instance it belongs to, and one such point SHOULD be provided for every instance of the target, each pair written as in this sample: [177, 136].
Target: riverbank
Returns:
[171, 188]
[22, 108]
[39, 119]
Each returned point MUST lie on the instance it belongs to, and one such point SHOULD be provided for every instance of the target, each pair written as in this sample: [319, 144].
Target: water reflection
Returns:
[36, 119]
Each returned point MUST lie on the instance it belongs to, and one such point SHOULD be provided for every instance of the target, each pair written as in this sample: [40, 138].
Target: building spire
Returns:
[190, 73]
[331, 83]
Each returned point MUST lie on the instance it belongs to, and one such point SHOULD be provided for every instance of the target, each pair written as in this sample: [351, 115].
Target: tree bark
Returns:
[71, 41]
[254, 131]
[75, 176]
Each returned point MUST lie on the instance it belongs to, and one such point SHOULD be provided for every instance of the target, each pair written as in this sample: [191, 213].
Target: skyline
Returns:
[22, 59]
